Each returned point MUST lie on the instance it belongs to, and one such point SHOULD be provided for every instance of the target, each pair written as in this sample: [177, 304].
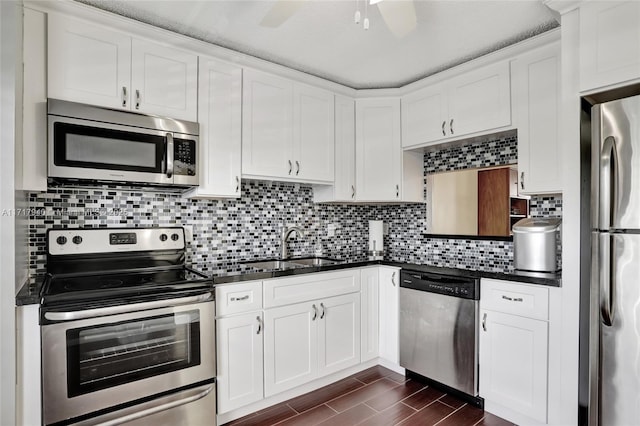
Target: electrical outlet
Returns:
[331, 229]
[188, 233]
[385, 229]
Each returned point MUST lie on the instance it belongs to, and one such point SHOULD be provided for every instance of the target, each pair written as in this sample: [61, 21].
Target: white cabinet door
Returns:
[609, 43]
[313, 124]
[425, 115]
[378, 150]
[88, 63]
[220, 118]
[389, 314]
[513, 363]
[290, 346]
[536, 90]
[240, 375]
[267, 148]
[369, 285]
[164, 81]
[338, 333]
[345, 152]
[479, 100]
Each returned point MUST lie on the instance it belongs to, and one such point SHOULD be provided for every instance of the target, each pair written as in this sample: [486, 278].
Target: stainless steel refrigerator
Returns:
[614, 352]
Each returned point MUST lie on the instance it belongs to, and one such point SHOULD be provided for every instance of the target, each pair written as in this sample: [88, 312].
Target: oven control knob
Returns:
[175, 237]
[77, 239]
[62, 240]
[163, 237]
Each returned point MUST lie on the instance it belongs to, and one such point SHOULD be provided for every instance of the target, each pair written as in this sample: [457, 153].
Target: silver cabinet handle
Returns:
[297, 168]
[397, 191]
[124, 97]
[484, 321]
[322, 314]
[259, 324]
[444, 123]
[137, 99]
[169, 155]
[290, 166]
[240, 299]
[451, 126]
[511, 299]
[521, 180]
[353, 191]
[393, 279]
[315, 312]
[237, 184]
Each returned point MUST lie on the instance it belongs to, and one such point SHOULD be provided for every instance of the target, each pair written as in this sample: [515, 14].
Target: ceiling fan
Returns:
[398, 15]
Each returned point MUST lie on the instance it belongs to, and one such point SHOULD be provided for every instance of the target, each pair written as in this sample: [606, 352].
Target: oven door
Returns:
[98, 363]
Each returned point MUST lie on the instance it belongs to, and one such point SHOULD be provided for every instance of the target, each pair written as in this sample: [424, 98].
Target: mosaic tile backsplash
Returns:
[228, 231]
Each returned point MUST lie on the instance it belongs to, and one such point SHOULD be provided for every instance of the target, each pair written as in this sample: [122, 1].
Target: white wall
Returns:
[10, 39]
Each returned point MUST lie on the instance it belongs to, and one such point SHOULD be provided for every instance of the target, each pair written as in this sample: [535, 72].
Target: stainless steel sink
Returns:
[314, 261]
[272, 264]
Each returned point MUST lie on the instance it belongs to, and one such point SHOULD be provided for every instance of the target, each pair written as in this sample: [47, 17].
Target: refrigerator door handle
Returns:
[608, 183]
[606, 264]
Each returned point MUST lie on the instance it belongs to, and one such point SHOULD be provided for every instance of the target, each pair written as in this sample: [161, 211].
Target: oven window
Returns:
[104, 356]
[98, 148]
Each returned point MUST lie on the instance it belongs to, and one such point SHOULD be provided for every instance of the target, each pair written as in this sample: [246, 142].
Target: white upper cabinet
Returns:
[480, 100]
[425, 115]
[474, 102]
[164, 80]
[220, 118]
[313, 133]
[91, 64]
[536, 90]
[267, 123]
[378, 150]
[609, 43]
[88, 63]
[288, 130]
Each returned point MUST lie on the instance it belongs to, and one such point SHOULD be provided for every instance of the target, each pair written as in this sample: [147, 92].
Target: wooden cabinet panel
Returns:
[493, 202]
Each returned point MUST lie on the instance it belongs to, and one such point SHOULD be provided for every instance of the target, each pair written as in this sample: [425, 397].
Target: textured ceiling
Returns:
[322, 39]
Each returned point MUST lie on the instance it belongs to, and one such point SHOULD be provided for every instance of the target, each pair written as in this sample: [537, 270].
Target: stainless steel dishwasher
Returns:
[439, 329]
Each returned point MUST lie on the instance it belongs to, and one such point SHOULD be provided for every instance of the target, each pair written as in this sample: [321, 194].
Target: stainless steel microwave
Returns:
[93, 144]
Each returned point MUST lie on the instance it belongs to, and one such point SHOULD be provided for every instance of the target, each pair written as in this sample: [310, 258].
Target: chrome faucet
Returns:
[283, 239]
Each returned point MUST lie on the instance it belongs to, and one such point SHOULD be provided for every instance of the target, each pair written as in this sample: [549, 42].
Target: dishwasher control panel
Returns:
[449, 285]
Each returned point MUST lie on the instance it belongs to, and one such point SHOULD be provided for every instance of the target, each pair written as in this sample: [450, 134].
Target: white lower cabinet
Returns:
[310, 340]
[514, 350]
[240, 360]
[369, 301]
[389, 309]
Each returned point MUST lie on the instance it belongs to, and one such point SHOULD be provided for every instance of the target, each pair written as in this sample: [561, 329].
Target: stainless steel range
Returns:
[128, 333]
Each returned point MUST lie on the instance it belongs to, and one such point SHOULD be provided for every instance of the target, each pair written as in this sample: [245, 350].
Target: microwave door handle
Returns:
[170, 155]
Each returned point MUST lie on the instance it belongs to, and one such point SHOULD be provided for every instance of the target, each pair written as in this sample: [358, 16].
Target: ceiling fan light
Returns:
[356, 17]
[365, 24]
[374, 1]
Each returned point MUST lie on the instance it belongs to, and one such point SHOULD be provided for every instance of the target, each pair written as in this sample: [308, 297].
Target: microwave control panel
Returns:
[184, 157]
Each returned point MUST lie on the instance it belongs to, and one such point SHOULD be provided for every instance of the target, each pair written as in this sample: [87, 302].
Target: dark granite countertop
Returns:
[238, 272]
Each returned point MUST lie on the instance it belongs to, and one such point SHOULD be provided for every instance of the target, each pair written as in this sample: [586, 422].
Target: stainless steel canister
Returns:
[534, 244]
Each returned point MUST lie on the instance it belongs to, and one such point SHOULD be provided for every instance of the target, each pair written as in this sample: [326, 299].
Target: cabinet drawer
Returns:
[285, 291]
[529, 301]
[238, 297]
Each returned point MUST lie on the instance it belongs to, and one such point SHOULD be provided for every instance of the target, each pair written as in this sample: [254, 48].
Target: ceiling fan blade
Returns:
[280, 12]
[399, 15]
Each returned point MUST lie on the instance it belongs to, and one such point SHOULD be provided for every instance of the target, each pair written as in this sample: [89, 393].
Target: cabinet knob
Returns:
[451, 126]
[444, 123]
[353, 191]
[290, 166]
[393, 279]
[237, 184]
[484, 322]
[521, 180]
[397, 191]
[323, 308]
[297, 168]
[259, 324]
[124, 97]
[138, 98]
[315, 312]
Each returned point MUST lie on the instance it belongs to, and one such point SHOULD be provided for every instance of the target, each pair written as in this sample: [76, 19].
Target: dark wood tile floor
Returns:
[376, 396]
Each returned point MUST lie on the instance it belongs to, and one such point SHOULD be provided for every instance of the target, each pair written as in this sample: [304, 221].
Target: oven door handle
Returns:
[125, 309]
[135, 412]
